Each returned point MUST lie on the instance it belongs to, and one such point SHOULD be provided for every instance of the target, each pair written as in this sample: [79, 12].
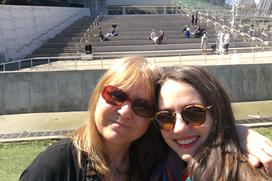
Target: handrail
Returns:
[115, 55]
[88, 32]
[50, 29]
[220, 22]
[264, 35]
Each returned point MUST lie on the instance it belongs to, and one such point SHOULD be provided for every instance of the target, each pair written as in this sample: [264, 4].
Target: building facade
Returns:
[109, 7]
[263, 6]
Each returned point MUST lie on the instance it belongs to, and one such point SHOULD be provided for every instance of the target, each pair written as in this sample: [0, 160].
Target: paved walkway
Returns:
[18, 127]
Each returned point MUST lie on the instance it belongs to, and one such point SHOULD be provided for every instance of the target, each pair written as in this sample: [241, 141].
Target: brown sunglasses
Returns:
[117, 97]
[192, 115]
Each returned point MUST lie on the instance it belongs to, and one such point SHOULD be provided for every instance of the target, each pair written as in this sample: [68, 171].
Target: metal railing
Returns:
[86, 38]
[209, 19]
[220, 20]
[161, 58]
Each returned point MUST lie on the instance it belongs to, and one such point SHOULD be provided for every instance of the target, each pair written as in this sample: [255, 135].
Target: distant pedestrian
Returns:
[88, 49]
[199, 32]
[153, 36]
[193, 18]
[161, 36]
[251, 30]
[100, 34]
[226, 42]
[114, 29]
[186, 32]
[196, 17]
[114, 25]
[204, 43]
[112, 33]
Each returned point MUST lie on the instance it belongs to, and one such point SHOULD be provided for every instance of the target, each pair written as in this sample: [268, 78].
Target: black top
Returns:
[57, 163]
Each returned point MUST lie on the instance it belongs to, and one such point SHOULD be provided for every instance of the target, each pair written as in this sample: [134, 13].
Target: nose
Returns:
[125, 110]
[180, 125]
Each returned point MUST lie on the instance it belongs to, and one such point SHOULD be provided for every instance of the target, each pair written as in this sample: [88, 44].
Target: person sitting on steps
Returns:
[153, 36]
[161, 36]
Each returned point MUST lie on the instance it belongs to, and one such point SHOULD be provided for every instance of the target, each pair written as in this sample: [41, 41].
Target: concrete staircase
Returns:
[64, 43]
[134, 30]
[132, 38]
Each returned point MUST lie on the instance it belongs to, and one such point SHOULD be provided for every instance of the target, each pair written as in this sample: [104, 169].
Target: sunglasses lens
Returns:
[113, 95]
[165, 120]
[194, 115]
[117, 97]
[143, 108]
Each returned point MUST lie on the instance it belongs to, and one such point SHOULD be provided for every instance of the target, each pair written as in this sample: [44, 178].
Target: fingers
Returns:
[268, 147]
[268, 165]
[262, 156]
[266, 154]
[186, 157]
[253, 160]
[257, 145]
[269, 168]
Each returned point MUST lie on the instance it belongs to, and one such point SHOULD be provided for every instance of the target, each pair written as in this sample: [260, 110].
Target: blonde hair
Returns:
[124, 74]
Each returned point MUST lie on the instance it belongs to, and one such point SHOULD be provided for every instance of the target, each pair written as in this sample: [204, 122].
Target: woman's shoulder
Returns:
[58, 151]
[55, 161]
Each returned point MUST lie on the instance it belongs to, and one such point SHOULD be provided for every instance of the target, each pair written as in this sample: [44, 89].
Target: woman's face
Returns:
[183, 139]
[119, 124]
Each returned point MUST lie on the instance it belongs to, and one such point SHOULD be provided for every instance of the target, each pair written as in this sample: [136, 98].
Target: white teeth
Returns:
[186, 141]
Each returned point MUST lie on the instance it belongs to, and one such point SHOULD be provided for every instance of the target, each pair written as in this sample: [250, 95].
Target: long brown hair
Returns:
[220, 157]
[88, 141]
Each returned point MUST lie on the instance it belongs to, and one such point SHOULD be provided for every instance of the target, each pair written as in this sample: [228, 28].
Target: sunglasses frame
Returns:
[107, 97]
[171, 124]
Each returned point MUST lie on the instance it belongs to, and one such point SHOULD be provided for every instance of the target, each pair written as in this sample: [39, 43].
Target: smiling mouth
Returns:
[188, 142]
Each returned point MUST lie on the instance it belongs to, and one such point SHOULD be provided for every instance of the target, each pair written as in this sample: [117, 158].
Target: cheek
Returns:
[144, 123]
[166, 135]
[97, 116]
[208, 126]
[102, 107]
[101, 110]
[140, 125]
[210, 123]
[98, 110]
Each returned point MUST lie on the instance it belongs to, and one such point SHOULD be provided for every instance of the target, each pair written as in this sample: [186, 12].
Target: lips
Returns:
[187, 142]
[119, 123]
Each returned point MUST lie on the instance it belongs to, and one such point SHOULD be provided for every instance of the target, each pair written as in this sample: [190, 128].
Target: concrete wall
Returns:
[245, 82]
[23, 92]
[46, 91]
[25, 28]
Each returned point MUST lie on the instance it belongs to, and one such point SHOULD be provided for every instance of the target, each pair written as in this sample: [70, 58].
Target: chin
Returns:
[185, 153]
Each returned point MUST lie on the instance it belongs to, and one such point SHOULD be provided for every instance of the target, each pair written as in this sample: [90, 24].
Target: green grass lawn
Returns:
[267, 131]
[14, 157]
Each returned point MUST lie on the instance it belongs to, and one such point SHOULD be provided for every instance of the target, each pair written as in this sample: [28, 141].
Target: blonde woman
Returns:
[111, 144]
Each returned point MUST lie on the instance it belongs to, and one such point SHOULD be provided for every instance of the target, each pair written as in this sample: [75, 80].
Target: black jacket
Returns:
[57, 163]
